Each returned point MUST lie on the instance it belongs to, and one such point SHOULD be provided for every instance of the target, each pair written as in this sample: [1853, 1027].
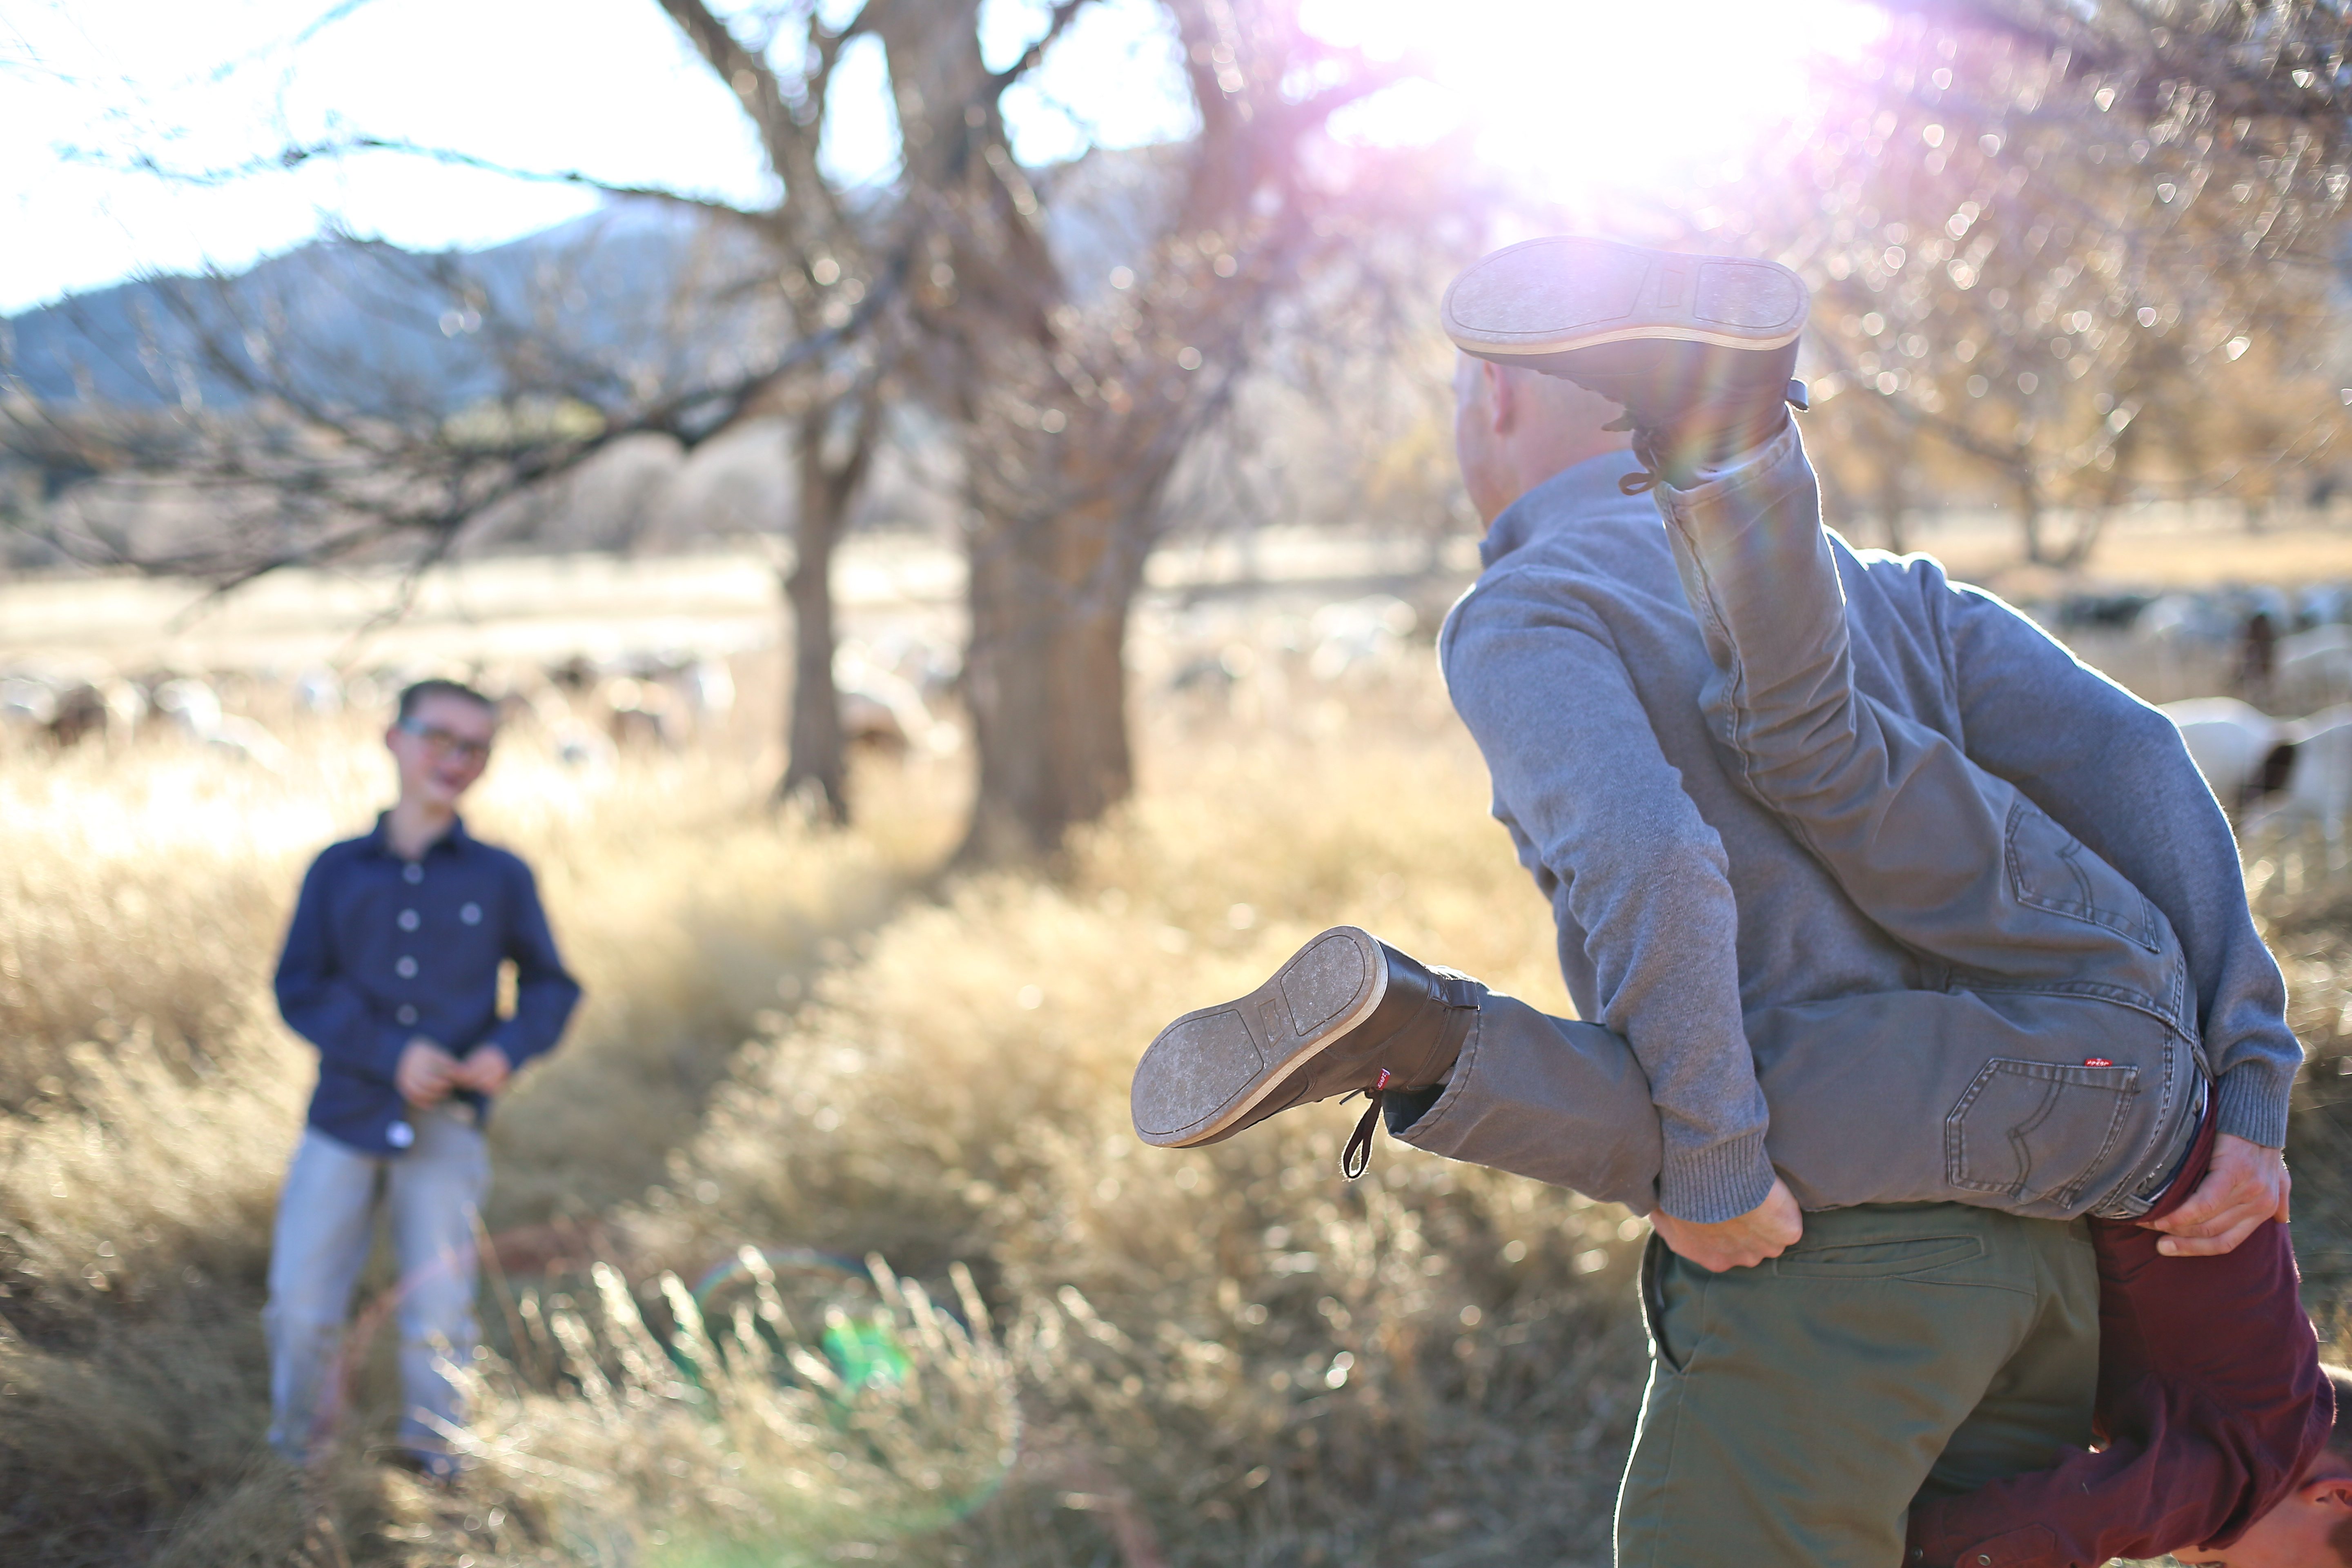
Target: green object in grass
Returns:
[864, 1351]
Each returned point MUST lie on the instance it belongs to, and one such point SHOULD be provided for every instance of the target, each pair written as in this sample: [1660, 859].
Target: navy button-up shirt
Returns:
[383, 950]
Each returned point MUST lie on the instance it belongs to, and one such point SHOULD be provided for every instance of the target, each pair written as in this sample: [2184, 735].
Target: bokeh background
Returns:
[956, 500]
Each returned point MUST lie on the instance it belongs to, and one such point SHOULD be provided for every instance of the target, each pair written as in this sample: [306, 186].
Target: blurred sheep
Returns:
[194, 708]
[1359, 631]
[2306, 778]
[2313, 669]
[639, 712]
[882, 710]
[26, 703]
[2231, 742]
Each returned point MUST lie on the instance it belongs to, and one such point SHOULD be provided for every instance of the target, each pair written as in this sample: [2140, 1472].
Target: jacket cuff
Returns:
[2251, 1102]
[1717, 1182]
[392, 1040]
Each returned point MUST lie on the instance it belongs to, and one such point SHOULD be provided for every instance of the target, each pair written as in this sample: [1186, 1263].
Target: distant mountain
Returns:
[639, 287]
[371, 329]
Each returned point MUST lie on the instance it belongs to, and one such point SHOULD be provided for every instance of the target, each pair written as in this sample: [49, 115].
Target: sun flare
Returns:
[1585, 96]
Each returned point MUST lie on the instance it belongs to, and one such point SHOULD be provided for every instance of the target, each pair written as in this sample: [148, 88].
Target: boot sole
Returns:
[1559, 295]
[1214, 1066]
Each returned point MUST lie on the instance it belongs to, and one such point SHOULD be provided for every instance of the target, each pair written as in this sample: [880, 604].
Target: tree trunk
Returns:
[1045, 678]
[1891, 502]
[2029, 506]
[817, 765]
[817, 768]
[2086, 537]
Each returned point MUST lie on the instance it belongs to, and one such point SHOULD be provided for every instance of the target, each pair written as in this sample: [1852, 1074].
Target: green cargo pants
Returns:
[1795, 1409]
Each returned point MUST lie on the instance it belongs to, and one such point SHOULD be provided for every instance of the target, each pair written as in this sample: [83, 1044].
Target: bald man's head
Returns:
[1514, 428]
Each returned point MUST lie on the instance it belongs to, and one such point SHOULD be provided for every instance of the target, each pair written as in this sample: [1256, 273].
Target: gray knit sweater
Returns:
[1576, 662]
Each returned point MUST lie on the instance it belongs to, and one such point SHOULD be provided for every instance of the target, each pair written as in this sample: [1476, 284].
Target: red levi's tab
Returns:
[2097, 1062]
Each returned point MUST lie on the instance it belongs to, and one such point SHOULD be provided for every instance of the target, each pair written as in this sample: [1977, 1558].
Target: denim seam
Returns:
[1739, 716]
[2122, 996]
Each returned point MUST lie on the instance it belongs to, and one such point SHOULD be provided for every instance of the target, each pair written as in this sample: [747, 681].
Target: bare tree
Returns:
[315, 446]
[1073, 397]
[833, 443]
[2084, 249]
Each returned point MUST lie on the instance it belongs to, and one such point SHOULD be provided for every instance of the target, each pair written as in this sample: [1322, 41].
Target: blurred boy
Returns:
[390, 969]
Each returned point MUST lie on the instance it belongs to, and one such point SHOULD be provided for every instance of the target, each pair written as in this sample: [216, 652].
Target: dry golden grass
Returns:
[976, 1324]
[150, 1097]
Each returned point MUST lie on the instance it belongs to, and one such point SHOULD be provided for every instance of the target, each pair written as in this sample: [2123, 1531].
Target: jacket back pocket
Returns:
[2050, 869]
[2036, 1131]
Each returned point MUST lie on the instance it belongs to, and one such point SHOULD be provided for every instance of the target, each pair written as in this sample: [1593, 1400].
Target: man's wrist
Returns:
[2251, 1101]
[1717, 1182]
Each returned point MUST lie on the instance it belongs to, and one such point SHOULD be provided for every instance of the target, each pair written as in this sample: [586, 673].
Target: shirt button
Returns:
[412, 872]
[405, 968]
[471, 914]
[408, 921]
[407, 1015]
[400, 1134]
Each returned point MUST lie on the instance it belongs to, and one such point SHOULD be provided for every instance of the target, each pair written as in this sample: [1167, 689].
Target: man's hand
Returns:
[425, 1073]
[2246, 1184]
[485, 1070]
[1768, 1230]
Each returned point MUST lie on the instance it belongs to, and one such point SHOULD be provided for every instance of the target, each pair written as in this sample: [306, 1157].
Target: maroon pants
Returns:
[2211, 1403]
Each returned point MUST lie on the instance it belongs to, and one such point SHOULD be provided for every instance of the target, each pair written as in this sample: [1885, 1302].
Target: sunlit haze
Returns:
[1583, 97]
[1565, 97]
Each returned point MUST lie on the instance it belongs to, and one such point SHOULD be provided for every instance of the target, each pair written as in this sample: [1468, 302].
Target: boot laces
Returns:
[1357, 1157]
[1455, 991]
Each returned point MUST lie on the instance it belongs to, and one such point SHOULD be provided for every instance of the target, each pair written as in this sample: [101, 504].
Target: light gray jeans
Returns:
[2056, 1072]
[326, 1223]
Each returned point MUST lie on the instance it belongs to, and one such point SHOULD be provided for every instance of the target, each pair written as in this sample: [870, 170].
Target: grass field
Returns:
[824, 1237]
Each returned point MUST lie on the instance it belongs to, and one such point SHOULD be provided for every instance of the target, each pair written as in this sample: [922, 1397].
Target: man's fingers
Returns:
[2235, 1221]
[2203, 1205]
[2204, 1219]
[2209, 1245]
[2248, 1209]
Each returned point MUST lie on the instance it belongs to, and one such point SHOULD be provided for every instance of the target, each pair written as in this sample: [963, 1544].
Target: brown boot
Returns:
[1347, 1014]
[1700, 349]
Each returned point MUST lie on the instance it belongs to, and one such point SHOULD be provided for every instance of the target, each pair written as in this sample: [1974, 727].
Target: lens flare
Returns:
[1583, 97]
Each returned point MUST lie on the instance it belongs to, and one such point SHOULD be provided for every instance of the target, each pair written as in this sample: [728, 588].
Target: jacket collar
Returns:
[456, 841]
[1574, 491]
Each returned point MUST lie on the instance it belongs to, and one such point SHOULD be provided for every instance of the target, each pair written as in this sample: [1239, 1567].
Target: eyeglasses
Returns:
[442, 743]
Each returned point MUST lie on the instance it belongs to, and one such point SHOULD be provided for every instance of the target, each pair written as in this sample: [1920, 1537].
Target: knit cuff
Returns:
[2252, 1104]
[1716, 1182]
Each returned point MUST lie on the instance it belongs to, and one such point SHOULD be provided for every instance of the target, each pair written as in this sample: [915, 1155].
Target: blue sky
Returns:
[1557, 87]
